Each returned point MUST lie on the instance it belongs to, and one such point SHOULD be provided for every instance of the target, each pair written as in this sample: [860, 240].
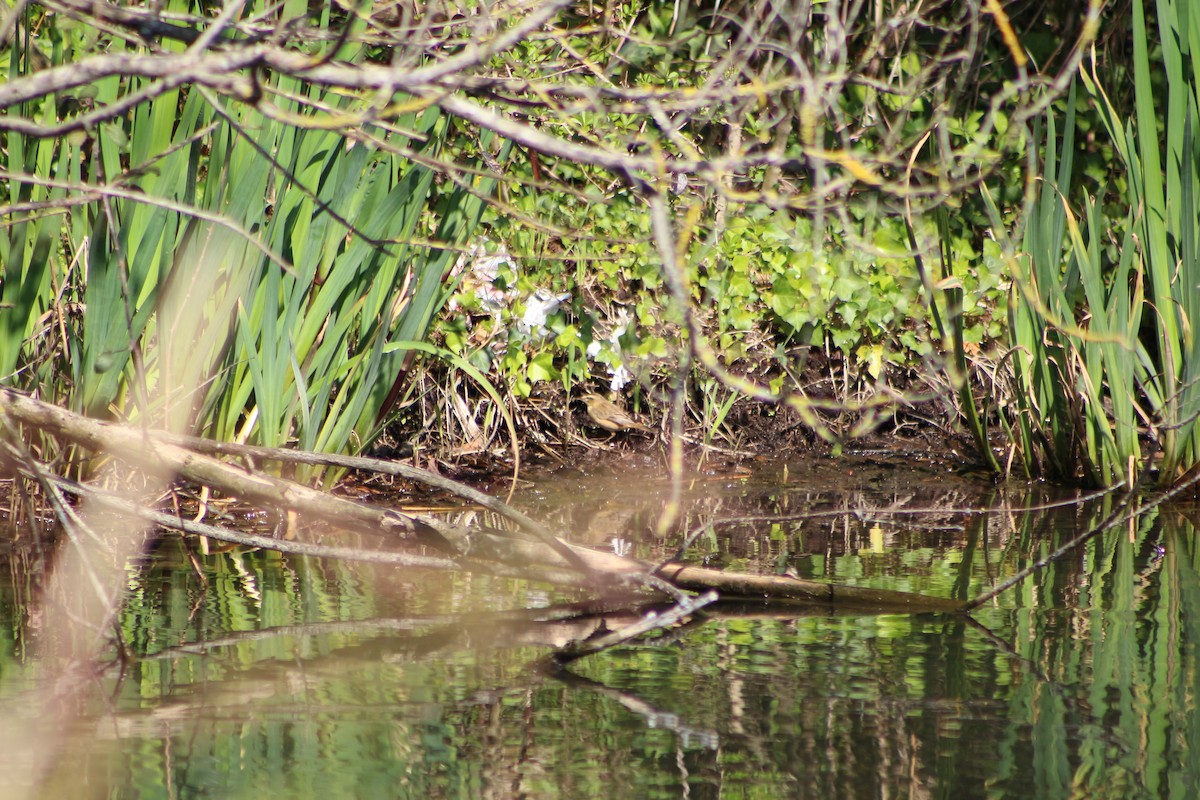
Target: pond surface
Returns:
[255, 674]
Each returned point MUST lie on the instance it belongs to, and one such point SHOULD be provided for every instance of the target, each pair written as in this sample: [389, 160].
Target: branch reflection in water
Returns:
[321, 676]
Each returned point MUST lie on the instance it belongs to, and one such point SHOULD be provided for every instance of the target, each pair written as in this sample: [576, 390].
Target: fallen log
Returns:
[153, 450]
[534, 552]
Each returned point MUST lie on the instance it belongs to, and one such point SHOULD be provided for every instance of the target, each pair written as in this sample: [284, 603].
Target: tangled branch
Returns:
[796, 105]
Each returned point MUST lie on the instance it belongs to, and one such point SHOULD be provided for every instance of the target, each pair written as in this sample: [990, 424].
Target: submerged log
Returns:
[736, 586]
[781, 588]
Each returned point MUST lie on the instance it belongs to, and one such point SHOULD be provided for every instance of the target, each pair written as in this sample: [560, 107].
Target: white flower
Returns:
[486, 268]
[620, 377]
[479, 282]
[623, 320]
[538, 306]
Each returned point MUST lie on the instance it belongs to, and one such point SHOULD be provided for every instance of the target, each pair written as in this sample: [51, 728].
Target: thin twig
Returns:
[1124, 511]
[650, 622]
[543, 533]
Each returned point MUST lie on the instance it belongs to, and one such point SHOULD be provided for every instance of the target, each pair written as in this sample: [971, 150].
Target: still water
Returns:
[253, 675]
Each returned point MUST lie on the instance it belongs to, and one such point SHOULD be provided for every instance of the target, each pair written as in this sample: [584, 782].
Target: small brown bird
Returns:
[611, 417]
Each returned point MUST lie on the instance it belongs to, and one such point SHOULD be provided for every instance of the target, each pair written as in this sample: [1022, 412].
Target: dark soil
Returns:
[918, 432]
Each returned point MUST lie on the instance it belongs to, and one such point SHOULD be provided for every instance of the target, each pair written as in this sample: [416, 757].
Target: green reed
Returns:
[1103, 358]
[202, 265]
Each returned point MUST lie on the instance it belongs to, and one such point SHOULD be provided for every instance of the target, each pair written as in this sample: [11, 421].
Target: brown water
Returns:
[254, 674]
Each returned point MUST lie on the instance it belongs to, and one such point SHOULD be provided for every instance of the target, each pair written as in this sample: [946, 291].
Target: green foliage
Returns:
[762, 286]
[1103, 337]
[237, 275]
[1067, 369]
[1164, 188]
[296, 241]
[771, 272]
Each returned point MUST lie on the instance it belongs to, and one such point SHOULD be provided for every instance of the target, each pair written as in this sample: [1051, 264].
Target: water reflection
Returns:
[258, 674]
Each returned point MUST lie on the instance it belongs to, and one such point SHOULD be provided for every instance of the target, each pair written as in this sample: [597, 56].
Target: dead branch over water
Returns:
[532, 551]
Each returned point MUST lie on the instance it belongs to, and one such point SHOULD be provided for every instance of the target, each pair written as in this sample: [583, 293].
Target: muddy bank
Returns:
[473, 440]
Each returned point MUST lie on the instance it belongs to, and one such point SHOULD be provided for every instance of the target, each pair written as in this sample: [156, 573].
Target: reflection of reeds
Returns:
[1090, 654]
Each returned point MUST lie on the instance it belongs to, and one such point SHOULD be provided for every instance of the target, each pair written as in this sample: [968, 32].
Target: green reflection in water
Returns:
[270, 676]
